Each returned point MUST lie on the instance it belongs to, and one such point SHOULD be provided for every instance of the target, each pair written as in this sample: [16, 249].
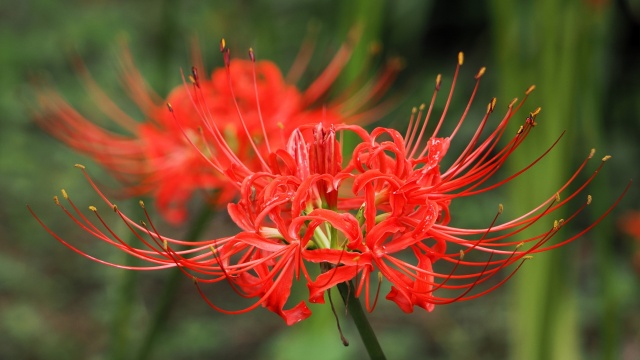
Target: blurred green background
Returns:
[581, 302]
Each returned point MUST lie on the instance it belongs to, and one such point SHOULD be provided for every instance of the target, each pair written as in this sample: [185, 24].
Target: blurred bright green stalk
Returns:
[561, 47]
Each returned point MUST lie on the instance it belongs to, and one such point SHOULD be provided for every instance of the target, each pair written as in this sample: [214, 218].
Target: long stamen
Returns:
[255, 89]
[227, 63]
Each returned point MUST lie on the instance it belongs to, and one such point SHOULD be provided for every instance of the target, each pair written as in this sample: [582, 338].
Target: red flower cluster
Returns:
[381, 214]
[630, 225]
[154, 157]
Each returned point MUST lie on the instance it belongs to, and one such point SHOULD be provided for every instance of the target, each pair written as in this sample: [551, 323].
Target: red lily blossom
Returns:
[381, 215]
[630, 225]
[153, 157]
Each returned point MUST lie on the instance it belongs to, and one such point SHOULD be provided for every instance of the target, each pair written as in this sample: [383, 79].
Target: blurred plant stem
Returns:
[120, 328]
[552, 44]
[168, 297]
[121, 347]
[359, 317]
[366, 17]
[120, 332]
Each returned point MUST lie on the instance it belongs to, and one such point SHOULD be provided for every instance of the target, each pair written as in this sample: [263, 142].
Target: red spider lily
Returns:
[630, 225]
[153, 157]
[380, 215]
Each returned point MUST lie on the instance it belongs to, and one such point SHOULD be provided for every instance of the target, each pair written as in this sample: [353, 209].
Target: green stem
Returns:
[362, 323]
[120, 330]
[171, 289]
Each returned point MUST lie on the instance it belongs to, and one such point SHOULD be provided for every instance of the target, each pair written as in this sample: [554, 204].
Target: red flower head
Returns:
[382, 214]
[154, 157]
[630, 225]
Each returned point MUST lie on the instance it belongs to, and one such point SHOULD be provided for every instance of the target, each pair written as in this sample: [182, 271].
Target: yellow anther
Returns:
[606, 158]
[165, 244]
[379, 276]
[558, 197]
[64, 194]
[438, 81]
[79, 166]
[141, 203]
[520, 130]
[143, 223]
[536, 111]
[55, 199]
[513, 102]
[529, 257]
[500, 209]
[460, 58]
[492, 105]
[414, 110]
[461, 255]
[115, 208]
[192, 79]
[589, 198]
[593, 151]
[422, 106]
[93, 208]
[555, 224]
[223, 44]
[519, 245]
[170, 107]
[481, 72]
[530, 89]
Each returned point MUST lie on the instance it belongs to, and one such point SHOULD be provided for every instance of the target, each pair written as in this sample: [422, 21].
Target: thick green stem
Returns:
[362, 323]
[170, 289]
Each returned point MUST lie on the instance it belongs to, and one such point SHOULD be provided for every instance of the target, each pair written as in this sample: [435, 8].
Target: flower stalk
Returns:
[354, 308]
[170, 291]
